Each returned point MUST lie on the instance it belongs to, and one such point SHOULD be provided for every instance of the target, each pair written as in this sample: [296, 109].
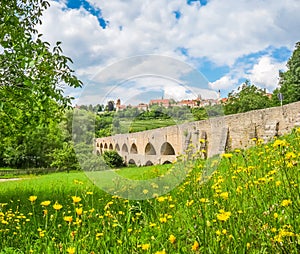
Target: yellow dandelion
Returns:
[145, 246]
[71, 250]
[68, 219]
[163, 219]
[189, 202]
[204, 200]
[227, 155]
[45, 203]
[79, 211]
[195, 246]
[32, 198]
[161, 252]
[151, 225]
[223, 216]
[161, 199]
[224, 195]
[57, 206]
[172, 239]
[279, 143]
[76, 199]
[286, 202]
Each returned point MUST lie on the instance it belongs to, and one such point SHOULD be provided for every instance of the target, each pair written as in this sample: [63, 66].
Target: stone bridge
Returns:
[214, 136]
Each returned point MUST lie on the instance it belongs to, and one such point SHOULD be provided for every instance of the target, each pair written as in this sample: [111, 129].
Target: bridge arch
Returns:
[105, 146]
[133, 149]
[117, 147]
[167, 162]
[124, 148]
[110, 146]
[131, 162]
[98, 153]
[150, 150]
[101, 146]
[97, 144]
[149, 163]
[167, 149]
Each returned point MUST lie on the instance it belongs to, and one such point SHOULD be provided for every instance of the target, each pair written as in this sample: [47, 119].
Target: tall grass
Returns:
[250, 204]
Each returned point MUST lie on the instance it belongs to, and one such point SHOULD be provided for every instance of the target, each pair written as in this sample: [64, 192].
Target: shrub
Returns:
[113, 159]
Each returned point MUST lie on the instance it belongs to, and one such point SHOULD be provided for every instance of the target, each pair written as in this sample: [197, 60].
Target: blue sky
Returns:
[225, 41]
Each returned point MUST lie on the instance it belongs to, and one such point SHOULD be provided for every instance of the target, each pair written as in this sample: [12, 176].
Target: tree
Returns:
[113, 159]
[32, 78]
[110, 106]
[290, 80]
[248, 97]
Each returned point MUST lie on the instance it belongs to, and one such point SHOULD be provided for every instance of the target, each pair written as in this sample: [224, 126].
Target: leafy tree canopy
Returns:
[290, 80]
[247, 97]
[32, 76]
[32, 80]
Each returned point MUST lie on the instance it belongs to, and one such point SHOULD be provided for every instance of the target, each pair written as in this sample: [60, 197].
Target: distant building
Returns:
[142, 106]
[188, 103]
[119, 107]
[161, 102]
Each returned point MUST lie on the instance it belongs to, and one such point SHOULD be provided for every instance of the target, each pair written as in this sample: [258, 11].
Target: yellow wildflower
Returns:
[204, 200]
[76, 199]
[172, 239]
[46, 203]
[68, 219]
[146, 246]
[223, 216]
[71, 250]
[161, 199]
[279, 143]
[224, 195]
[161, 252]
[57, 206]
[163, 219]
[227, 155]
[32, 198]
[78, 211]
[98, 235]
[195, 246]
[189, 202]
[286, 202]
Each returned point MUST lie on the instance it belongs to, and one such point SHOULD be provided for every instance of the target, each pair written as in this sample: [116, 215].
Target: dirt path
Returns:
[9, 179]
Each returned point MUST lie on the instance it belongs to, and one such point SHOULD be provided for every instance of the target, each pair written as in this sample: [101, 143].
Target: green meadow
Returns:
[246, 201]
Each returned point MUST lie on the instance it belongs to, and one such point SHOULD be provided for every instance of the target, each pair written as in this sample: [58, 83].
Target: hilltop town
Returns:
[166, 103]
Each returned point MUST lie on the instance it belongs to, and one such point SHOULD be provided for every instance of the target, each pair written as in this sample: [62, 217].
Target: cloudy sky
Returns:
[225, 41]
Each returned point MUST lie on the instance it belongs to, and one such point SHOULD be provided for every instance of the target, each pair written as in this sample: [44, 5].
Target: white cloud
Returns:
[220, 32]
[266, 73]
[224, 83]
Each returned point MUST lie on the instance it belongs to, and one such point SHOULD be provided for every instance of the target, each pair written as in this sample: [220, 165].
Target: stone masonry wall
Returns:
[163, 145]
